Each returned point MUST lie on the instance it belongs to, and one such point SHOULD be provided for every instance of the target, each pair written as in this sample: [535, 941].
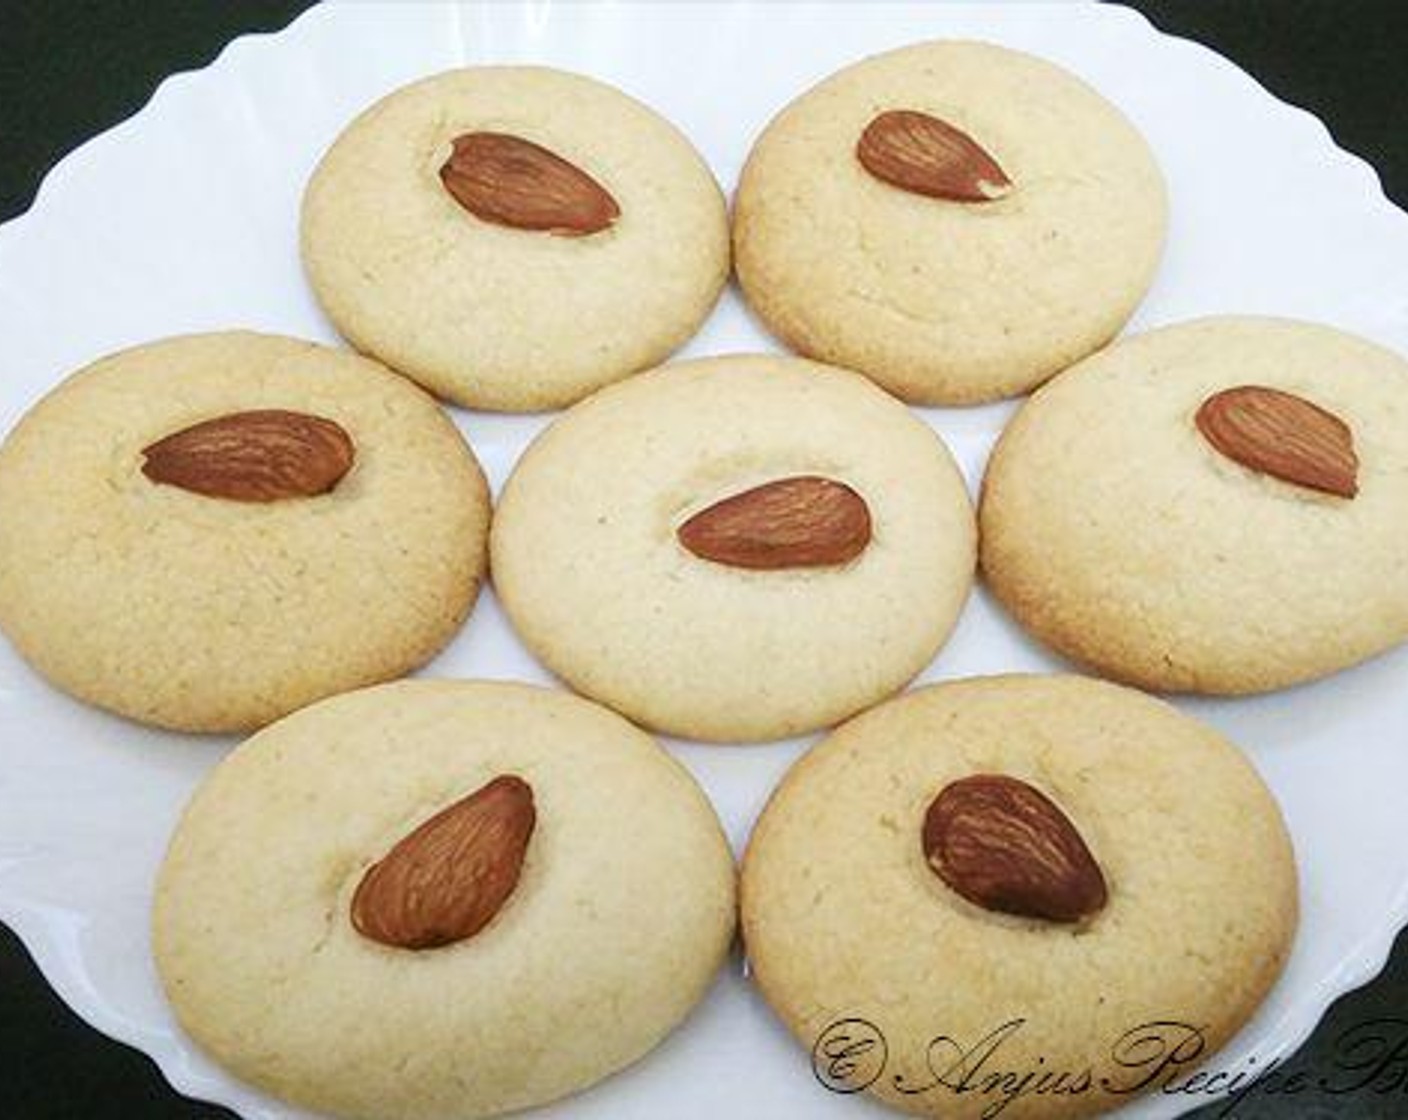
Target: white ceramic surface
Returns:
[184, 218]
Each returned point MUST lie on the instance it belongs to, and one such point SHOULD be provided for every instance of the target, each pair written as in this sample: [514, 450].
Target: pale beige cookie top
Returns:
[590, 567]
[940, 301]
[206, 614]
[1116, 532]
[620, 917]
[492, 316]
[843, 918]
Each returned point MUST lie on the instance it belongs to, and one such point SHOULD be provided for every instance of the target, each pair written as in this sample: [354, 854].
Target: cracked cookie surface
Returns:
[1115, 531]
[207, 614]
[940, 301]
[844, 920]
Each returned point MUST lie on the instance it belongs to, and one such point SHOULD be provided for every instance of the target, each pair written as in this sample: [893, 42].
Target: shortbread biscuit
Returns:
[944, 300]
[1116, 530]
[492, 314]
[280, 963]
[894, 938]
[735, 548]
[204, 612]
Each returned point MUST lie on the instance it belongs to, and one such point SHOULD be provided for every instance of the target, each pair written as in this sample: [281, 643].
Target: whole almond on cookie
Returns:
[259, 456]
[801, 522]
[1005, 846]
[511, 181]
[924, 154]
[889, 979]
[446, 880]
[1283, 435]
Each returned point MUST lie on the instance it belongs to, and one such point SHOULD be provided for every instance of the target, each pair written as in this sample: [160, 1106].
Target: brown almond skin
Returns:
[923, 154]
[1282, 435]
[800, 522]
[446, 880]
[264, 455]
[510, 181]
[1005, 846]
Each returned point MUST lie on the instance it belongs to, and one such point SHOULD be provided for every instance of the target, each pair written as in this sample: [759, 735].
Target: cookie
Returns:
[957, 220]
[1017, 894]
[424, 900]
[735, 548]
[207, 532]
[514, 237]
[1212, 507]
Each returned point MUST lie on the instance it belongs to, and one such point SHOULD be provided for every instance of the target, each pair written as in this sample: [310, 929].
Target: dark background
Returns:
[71, 68]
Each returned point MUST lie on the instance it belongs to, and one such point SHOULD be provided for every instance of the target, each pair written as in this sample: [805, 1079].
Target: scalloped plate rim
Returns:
[38, 933]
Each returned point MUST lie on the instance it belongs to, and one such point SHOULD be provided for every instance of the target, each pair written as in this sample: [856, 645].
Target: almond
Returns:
[924, 155]
[510, 181]
[1005, 846]
[801, 522]
[446, 880]
[1283, 435]
[259, 456]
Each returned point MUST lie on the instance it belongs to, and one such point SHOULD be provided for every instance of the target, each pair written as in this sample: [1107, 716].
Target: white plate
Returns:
[185, 218]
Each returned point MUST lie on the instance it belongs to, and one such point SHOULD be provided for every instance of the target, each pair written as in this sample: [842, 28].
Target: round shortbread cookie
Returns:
[615, 927]
[487, 314]
[204, 613]
[589, 563]
[1118, 533]
[902, 985]
[939, 300]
